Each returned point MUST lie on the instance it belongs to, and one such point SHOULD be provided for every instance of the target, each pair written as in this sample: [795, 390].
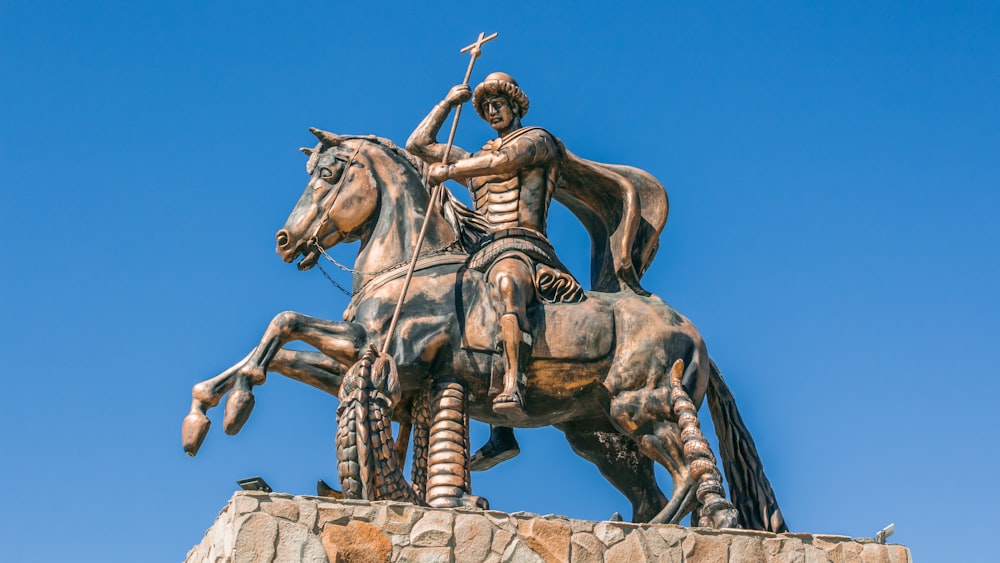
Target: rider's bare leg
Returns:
[513, 280]
[501, 446]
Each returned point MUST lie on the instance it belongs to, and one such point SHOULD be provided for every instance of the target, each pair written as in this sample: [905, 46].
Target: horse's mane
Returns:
[415, 162]
[468, 224]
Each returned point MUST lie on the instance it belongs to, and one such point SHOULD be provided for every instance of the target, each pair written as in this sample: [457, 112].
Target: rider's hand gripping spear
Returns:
[474, 50]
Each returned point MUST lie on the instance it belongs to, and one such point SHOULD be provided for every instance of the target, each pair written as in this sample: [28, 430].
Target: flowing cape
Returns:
[623, 208]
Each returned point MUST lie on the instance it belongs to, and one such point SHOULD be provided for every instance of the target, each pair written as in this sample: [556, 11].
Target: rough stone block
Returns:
[433, 529]
[364, 513]
[313, 550]
[357, 542]
[875, 553]
[245, 503]
[585, 548]
[658, 548]
[549, 538]
[746, 548]
[501, 538]
[282, 508]
[397, 518]
[519, 552]
[898, 554]
[632, 549]
[700, 548]
[255, 539]
[784, 549]
[673, 535]
[335, 514]
[308, 511]
[473, 537]
[292, 540]
[501, 520]
[845, 552]
[608, 533]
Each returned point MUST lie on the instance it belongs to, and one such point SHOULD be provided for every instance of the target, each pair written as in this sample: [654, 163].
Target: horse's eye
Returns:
[329, 175]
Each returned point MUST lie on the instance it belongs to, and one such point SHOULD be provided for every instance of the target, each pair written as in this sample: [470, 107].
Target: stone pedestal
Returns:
[263, 527]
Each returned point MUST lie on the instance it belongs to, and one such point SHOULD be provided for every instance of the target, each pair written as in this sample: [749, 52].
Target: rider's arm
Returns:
[423, 141]
[531, 149]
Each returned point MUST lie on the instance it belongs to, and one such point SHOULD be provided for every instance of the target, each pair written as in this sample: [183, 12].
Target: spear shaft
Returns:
[474, 50]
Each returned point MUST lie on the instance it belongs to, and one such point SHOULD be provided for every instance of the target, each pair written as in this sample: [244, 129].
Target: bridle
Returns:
[321, 225]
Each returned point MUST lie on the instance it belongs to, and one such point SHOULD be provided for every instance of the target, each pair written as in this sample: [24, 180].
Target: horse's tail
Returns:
[749, 488]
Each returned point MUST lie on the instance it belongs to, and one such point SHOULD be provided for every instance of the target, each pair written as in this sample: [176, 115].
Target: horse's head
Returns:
[340, 198]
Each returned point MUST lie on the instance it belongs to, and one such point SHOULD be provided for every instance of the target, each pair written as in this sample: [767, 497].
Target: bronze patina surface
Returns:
[494, 327]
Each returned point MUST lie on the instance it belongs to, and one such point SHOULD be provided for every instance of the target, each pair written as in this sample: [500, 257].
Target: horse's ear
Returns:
[306, 151]
[325, 137]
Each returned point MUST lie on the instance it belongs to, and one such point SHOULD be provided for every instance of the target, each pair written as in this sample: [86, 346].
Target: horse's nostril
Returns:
[282, 237]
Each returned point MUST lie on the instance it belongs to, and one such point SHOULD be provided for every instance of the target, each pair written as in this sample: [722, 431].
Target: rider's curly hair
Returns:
[500, 84]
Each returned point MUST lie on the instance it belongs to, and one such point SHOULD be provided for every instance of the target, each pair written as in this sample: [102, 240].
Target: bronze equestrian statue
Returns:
[600, 369]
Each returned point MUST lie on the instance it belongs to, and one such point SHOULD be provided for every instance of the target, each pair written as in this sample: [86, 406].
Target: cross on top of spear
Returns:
[476, 47]
[474, 50]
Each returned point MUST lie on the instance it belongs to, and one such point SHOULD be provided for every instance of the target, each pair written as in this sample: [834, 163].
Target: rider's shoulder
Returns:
[530, 135]
[536, 134]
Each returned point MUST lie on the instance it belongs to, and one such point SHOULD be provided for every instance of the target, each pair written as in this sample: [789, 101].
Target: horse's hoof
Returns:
[193, 432]
[239, 405]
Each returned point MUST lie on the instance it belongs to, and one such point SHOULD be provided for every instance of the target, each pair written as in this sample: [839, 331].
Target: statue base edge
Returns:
[256, 526]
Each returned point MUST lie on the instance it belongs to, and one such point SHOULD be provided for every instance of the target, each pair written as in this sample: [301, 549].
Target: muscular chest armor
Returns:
[519, 199]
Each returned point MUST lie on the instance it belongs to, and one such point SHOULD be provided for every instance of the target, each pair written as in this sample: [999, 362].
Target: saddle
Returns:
[581, 331]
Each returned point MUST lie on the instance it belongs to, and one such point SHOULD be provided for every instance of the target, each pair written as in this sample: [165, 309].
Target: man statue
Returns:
[512, 180]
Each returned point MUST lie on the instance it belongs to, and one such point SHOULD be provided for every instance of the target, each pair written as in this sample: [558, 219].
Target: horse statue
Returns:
[620, 374]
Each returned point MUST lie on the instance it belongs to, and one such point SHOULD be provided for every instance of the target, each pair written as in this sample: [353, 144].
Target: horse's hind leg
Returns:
[619, 460]
[647, 415]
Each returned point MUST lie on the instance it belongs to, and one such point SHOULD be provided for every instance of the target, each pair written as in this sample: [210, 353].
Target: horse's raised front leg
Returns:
[338, 342]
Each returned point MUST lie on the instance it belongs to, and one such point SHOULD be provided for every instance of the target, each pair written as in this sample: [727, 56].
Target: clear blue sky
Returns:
[833, 171]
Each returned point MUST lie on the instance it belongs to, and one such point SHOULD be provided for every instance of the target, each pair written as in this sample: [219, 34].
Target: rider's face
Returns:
[498, 112]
